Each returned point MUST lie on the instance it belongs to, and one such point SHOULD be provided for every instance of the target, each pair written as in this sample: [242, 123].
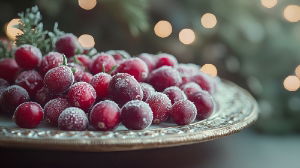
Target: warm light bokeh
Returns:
[11, 31]
[187, 36]
[297, 71]
[209, 20]
[292, 13]
[163, 29]
[291, 83]
[87, 4]
[209, 69]
[268, 3]
[86, 41]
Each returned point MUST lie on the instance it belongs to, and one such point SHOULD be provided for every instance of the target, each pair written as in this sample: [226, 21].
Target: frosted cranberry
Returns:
[43, 95]
[12, 97]
[100, 82]
[160, 105]
[119, 55]
[165, 59]
[68, 44]
[149, 60]
[188, 69]
[28, 56]
[81, 76]
[174, 94]
[82, 95]
[136, 115]
[135, 67]
[30, 80]
[204, 104]
[102, 63]
[164, 77]
[190, 88]
[3, 83]
[75, 67]
[59, 79]
[83, 60]
[105, 115]
[183, 112]
[9, 69]
[147, 90]
[73, 119]
[123, 88]
[28, 115]
[204, 81]
[49, 61]
[54, 108]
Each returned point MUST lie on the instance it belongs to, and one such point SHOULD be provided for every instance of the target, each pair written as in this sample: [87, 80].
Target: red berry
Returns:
[43, 95]
[81, 76]
[68, 44]
[190, 88]
[73, 119]
[9, 69]
[135, 67]
[54, 108]
[59, 79]
[174, 94]
[183, 112]
[119, 55]
[165, 59]
[49, 61]
[123, 88]
[3, 83]
[28, 56]
[105, 115]
[164, 77]
[30, 80]
[12, 97]
[100, 82]
[204, 104]
[102, 63]
[83, 60]
[147, 90]
[149, 60]
[204, 81]
[28, 115]
[82, 95]
[160, 105]
[188, 69]
[136, 115]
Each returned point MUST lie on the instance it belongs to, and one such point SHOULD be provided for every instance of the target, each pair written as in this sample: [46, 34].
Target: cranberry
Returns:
[28, 56]
[105, 115]
[81, 76]
[204, 81]
[82, 95]
[188, 69]
[49, 61]
[28, 115]
[183, 112]
[119, 55]
[204, 104]
[165, 59]
[73, 119]
[102, 63]
[160, 105]
[135, 67]
[174, 94]
[59, 79]
[149, 60]
[9, 69]
[43, 95]
[164, 77]
[68, 44]
[30, 80]
[123, 88]
[147, 90]
[100, 82]
[54, 108]
[12, 97]
[190, 88]
[3, 83]
[136, 115]
[83, 60]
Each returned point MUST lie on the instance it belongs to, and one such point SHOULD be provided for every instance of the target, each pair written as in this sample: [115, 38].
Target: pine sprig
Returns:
[5, 49]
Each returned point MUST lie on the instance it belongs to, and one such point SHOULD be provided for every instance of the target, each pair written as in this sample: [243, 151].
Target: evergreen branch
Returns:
[5, 49]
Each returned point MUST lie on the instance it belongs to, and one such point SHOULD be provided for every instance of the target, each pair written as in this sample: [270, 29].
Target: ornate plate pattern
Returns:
[236, 109]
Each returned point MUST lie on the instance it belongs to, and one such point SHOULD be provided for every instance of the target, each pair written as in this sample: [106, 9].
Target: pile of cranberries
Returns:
[74, 91]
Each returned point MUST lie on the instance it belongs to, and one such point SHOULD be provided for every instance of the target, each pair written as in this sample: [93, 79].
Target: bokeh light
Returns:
[268, 3]
[11, 31]
[297, 71]
[292, 13]
[209, 20]
[87, 4]
[291, 83]
[209, 69]
[163, 29]
[86, 41]
[187, 36]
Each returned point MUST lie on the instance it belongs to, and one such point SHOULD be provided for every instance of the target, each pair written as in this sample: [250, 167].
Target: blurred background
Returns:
[253, 43]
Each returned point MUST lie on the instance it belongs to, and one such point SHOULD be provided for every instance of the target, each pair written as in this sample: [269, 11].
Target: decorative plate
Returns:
[236, 109]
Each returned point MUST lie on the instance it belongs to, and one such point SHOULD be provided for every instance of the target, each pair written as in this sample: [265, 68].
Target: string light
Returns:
[209, 20]
[87, 4]
[86, 41]
[291, 83]
[292, 13]
[209, 69]
[187, 36]
[163, 29]
[268, 3]
[11, 31]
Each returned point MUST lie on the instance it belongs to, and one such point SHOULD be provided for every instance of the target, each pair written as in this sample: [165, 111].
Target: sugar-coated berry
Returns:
[190, 88]
[100, 82]
[43, 95]
[160, 105]
[204, 104]
[81, 76]
[204, 81]
[54, 108]
[3, 83]
[183, 112]
[105, 115]
[9, 69]
[73, 119]
[136, 115]
[49, 61]
[119, 55]
[165, 59]
[30, 80]
[68, 44]
[124, 87]
[28, 56]
[28, 115]
[175, 94]
[147, 90]
[82, 95]
[102, 63]
[187, 69]
[149, 60]
[83, 60]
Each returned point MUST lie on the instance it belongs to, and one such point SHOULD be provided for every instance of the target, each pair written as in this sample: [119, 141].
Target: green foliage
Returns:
[5, 51]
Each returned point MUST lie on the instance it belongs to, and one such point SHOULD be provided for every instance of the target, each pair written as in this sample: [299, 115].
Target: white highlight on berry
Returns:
[209, 69]
[87, 4]
[291, 83]
[86, 41]
[268, 3]
[11, 31]
[163, 29]
[292, 13]
[187, 36]
[209, 20]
